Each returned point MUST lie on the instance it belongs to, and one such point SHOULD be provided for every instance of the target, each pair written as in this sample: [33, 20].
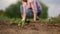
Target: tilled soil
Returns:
[30, 28]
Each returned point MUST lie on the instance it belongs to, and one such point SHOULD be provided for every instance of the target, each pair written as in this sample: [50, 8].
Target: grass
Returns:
[21, 23]
[47, 20]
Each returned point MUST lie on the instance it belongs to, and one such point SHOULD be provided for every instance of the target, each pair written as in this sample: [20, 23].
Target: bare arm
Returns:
[24, 9]
[33, 4]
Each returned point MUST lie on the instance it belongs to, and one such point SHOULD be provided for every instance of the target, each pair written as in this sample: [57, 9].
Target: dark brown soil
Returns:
[30, 28]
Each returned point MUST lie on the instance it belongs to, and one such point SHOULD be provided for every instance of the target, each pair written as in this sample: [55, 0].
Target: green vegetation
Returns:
[44, 13]
[49, 20]
[13, 15]
[13, 11]
[21, 23]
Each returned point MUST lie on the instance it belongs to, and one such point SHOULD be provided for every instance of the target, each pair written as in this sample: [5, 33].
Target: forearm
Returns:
[24, 14]
[34, 10]
[35, 16]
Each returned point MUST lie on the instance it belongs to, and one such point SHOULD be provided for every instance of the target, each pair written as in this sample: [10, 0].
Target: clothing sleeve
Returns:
[33, 4]
[39, 4]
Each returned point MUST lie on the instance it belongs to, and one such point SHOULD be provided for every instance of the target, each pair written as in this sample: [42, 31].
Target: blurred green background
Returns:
[13, 11]
[12, 14]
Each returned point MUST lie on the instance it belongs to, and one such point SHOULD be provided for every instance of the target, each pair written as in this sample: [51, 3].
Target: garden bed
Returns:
[29, 28]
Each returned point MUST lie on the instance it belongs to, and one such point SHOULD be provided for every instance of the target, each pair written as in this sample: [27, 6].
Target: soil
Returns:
[30, 28]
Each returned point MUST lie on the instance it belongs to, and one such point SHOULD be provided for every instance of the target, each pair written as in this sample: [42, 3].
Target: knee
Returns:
[21, 8]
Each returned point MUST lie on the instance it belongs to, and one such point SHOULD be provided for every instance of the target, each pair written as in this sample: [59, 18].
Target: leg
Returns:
[29, 13]
[38, 14]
